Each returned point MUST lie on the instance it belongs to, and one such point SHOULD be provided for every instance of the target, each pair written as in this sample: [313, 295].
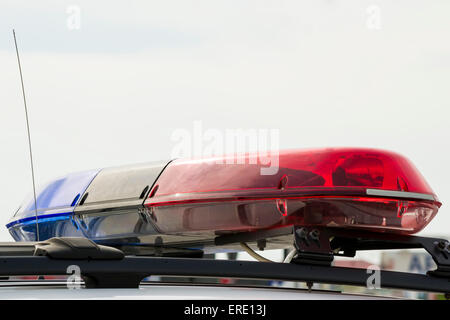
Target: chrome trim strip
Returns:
[399, 194]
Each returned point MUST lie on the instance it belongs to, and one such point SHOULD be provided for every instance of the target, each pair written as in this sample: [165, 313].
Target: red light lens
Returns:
[367, 188]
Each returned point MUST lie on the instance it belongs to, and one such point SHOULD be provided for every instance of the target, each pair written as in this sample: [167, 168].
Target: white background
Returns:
[113, 91]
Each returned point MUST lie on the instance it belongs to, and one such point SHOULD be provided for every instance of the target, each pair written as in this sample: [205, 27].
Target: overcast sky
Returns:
[324, 73]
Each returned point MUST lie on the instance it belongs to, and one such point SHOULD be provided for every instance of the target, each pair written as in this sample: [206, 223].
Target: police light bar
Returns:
[189, 202]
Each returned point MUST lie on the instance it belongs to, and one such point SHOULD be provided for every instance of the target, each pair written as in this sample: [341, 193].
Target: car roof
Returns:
[160, 291]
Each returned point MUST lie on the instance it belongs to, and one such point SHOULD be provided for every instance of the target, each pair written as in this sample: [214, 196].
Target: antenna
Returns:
[29, 137]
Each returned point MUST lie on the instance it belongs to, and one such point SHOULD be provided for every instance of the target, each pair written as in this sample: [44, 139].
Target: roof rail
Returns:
[129, 272]
[107, 267]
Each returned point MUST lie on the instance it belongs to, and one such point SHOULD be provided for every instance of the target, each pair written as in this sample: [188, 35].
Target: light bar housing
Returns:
[188, 202]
